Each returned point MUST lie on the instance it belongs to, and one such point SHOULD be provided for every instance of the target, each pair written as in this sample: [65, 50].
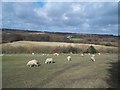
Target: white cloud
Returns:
[106, 30]
[76, 8]
[79, 17]
[64, 17]
[86, 25]
[82, 0]
[22, 0]
[60, 0]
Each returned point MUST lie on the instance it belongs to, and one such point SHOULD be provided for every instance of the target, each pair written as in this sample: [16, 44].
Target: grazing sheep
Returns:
[43, 54]
[82, 54]
[88, 53]
[33, 53]
[93, 55]
[93, 58]
[99, 53]
[49, 60]
[56, 54]
[32, 63]
[69, 58]
[71, 53]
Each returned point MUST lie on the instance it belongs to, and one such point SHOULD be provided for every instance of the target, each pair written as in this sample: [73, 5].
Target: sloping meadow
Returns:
[52, 47]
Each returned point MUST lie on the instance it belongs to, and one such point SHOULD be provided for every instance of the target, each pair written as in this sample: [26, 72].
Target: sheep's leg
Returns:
[36, 64]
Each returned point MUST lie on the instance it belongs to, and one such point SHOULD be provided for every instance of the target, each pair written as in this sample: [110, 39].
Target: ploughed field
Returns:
[81, 72]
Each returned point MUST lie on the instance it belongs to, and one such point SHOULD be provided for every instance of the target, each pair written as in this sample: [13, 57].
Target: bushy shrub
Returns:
[92, 50]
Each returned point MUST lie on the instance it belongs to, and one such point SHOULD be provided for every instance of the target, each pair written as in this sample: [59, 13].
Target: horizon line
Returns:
[58, 31]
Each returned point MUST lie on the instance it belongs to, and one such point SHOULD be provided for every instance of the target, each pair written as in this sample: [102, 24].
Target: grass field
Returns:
[46, 47]
[53, 44]
[81, 72]
[76, 39]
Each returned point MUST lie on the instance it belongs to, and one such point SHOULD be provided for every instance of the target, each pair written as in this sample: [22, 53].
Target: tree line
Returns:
[9, 35]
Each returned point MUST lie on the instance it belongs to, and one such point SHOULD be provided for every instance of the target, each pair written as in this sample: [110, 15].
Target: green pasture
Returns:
[76, 39]
[81, 72]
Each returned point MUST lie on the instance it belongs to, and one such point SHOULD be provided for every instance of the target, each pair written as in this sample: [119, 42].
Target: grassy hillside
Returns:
[51, 47]
[81, 72]
[10, 35]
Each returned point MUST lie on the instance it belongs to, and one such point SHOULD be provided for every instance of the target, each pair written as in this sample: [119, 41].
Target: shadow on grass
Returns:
[114, 75]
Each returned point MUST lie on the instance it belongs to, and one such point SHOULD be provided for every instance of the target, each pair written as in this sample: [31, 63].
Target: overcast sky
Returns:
[80, 17]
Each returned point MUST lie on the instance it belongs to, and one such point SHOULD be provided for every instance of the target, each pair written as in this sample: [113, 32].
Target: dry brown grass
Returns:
[32, 44]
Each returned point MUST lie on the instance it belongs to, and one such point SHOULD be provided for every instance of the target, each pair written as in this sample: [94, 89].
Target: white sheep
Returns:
[71, 53]
[93, 55]
[33, 53]
[56, 54]
[43, 54]
[32, 63]
[69, 58]
[82, 54]
[49, 60]
[99, 53]
[88, 53]
[93, 58]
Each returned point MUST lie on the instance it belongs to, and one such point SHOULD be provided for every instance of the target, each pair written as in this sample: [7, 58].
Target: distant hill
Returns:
[11, 35]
